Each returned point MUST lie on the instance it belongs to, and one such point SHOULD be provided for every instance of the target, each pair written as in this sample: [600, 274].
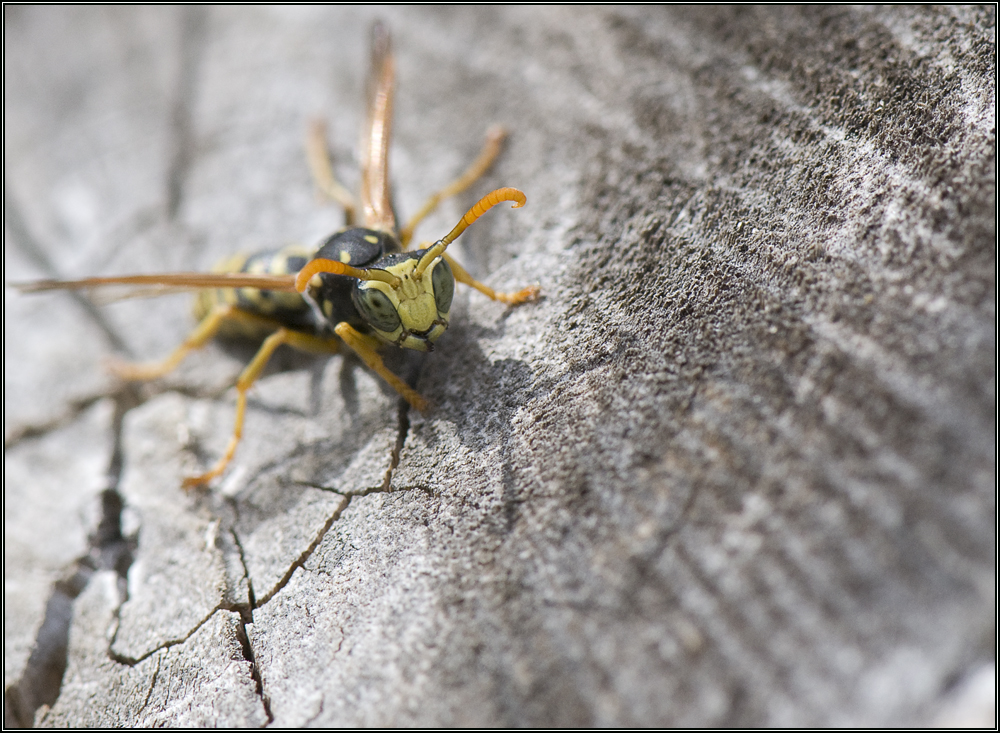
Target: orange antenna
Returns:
[339, 268]
[484, 204]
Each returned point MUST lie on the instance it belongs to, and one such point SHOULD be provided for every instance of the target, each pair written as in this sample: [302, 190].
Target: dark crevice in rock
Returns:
[42, 678]
[152, 684]
[41, 682]
[305, 555]
[246, 573]
[402, 431]
[116, 551]
[247, 649]
[132, 661]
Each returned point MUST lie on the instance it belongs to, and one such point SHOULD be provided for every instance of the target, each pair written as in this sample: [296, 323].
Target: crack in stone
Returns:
[246, 573]
[246, 618]
[255, 675]
[403, 429]
[402, 432]
[307, 553]
[110, 549]
[132, 661]
[152, 684]
[41, 681]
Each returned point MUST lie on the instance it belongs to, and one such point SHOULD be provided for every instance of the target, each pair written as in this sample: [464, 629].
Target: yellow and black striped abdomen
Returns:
[286, 309]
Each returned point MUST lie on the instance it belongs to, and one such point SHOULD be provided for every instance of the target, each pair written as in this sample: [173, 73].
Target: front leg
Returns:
[366, 347]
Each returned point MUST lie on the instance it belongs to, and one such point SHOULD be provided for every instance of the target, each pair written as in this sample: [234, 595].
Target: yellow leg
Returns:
[521, 296]
[365, 347]
[491, 149]
[246, 379]
[204, 333]
[318, 155]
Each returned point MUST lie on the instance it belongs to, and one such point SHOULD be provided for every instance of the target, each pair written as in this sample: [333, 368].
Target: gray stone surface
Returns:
[52, 508]
[204, 682]
[735, 469]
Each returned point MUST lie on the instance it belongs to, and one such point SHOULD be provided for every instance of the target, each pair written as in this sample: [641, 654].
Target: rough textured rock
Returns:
[735, 469]
[52, 508]
[204, 681]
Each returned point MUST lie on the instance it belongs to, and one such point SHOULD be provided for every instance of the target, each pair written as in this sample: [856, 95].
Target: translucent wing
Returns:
[376, 198]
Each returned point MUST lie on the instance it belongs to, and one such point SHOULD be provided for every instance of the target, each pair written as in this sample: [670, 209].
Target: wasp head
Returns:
[411, 308]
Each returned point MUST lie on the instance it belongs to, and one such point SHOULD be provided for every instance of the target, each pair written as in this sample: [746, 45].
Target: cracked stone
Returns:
[206, 681]
[330, 615]
[735, 469]
[52, 484]
[343, 449]
[178, 577]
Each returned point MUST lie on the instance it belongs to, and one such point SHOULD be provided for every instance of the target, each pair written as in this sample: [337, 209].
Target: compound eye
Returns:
[376, 308]
[443, 282]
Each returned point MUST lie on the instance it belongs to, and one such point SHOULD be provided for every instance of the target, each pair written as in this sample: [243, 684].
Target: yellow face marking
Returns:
[414, 301]
[345, 256]
[371, 239]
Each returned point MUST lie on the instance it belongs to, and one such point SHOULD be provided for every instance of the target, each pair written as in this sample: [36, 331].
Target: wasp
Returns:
[363, 287]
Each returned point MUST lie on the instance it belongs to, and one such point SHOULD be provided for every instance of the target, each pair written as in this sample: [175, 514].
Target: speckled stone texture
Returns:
[736, 468]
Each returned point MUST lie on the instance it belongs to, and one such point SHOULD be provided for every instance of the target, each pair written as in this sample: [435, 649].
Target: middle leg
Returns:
[491, 149]
[301, 341]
